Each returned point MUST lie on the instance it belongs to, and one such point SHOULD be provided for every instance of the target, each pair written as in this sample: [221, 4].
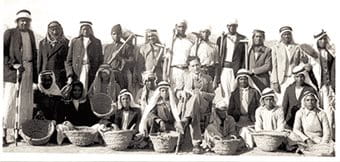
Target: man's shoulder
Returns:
[206, 77]
[241, 36]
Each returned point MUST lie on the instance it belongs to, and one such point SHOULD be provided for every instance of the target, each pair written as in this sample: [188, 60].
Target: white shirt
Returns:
[181, 51]
[207, 52]
[289, 57]
[244, 100]
[76, 104]
[85, 42]
[125, 120]
[231, 39]
[298, 92]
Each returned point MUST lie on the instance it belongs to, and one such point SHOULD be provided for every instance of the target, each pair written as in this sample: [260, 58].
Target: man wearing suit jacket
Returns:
[293, 94]
[260, 60]
[232, 58]
[84, 57]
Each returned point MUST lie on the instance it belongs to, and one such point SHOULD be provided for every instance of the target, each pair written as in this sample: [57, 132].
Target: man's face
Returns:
[299, 79]
[205, 34]
[125, 100]
[54, 31]
[24, 23]
[243, 82]
[164, 93]
[269, 102]
[221, 114]
[181, 28]
[85, 30]
[194, 66]
[258, 38]
[105, 75]
[151, 38]
[77, 92]
[287, 37]
[115, 36]
[232, 28]
[310, 102]
[322, 42]
[46, 81]
[150, 83]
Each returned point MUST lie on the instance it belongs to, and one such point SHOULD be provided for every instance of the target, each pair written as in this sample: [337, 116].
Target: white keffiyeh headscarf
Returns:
[54, 89]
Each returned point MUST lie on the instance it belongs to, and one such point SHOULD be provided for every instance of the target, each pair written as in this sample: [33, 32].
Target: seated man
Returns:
[105, 82]
[144, 94]
[161, 114]
[269, 116]
[293, 94]
[47, 98]
[195, 93]
[243, 102]
[221, 126]
[311, 123]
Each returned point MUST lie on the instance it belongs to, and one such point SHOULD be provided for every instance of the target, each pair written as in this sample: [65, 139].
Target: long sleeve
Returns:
[267, 66]
[274, 75]
[258, 120]
[326, 132]
[69, 61]
[280, 120]
[298, 126]
[285, 104]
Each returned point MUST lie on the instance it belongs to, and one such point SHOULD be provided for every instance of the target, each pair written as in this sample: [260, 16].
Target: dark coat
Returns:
[13, 54]
[135, 116]
[235, 102]
[238, 60]
[53, 58]
[290, 104]
[83, 117]
[261, 66]
[74, 60]
[51, 106]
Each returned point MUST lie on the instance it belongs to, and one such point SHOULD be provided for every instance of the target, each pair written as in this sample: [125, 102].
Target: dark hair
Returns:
[77, 83]
[191, 58]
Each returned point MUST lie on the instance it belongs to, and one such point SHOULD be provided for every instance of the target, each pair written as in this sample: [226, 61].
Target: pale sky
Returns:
[162, 15]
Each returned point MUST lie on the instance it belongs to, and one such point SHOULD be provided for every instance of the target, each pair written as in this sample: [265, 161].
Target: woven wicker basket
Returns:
[226, 147]
[37, 132]
[164, 142]
[117, 140]
[101, 105]
[319, 150]
[81, 136]
[269, 140]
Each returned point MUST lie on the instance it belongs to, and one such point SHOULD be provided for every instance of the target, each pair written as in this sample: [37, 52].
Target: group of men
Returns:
[194, 86]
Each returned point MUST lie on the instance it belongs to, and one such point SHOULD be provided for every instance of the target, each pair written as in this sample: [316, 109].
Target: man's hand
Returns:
[69, 80]
[19, 67]
[179, 127]
[310, 142]
[276, 87]
[162, 126]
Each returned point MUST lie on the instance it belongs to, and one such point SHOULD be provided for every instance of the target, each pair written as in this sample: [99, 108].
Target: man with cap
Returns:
[285, 56]
[122, 58]
[181, 46]
[232, 57]
[293, 94]
[53, 52]
[151, 53]
[324, 72]
[260, 60]
[269, 116]
[144, 94]
[207, 52]
[161, 115]
[20, 55]
[195, 93]
[84, 57]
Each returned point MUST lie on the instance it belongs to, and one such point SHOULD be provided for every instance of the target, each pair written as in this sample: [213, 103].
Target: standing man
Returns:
[151, 53]
[232, 56]
[260, 60]
[20, 55]
[181, 50]
[285, 56]
[196, 93]
[85, 55]
[122, 58]
[207, 51]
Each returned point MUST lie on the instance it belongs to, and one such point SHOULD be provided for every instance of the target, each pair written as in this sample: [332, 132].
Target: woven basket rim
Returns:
[49, 134]
[93, 107]
[270, 133]
[118, 131]
[81, 129]
[172, 134]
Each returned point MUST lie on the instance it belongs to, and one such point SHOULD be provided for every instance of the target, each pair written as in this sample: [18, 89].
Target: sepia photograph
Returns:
[171, 80]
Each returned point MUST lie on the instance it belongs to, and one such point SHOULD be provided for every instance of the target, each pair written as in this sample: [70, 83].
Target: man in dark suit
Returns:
[260, 60]
[84, 57]
[20, 55]
[232, 56]
[293, 94]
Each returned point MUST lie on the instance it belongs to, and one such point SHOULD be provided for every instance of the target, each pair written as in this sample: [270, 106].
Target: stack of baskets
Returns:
[227, 146]
[101, 105]
[81, 136]
[117, 140]
[37, 132]
[164, 142]
[269, 140]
